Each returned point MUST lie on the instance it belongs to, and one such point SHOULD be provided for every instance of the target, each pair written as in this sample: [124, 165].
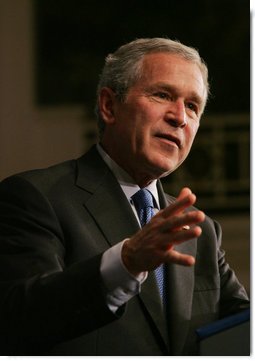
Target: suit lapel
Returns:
[112, 213]
[106, 203]
[180, 286]
[151, 301]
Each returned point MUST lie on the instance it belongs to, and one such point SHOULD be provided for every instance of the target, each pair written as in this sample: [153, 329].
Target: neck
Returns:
[142, 179]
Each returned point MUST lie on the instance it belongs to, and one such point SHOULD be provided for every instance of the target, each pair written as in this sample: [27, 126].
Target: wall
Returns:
[30, 137]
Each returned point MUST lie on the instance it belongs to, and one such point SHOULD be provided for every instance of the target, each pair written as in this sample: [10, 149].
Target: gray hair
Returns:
[123, 68]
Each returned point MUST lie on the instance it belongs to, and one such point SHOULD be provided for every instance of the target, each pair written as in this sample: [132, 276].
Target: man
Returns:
[78, 265]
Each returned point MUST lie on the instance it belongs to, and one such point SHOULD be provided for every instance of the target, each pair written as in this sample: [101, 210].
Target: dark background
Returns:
[74, 36]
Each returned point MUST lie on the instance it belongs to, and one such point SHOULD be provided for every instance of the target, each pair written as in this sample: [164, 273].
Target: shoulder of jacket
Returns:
[45, 178]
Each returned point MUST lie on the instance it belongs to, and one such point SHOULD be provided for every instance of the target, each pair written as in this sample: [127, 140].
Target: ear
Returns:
[106, 105]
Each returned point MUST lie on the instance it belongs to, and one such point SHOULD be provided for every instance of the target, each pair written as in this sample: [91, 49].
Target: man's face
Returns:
[152, 131]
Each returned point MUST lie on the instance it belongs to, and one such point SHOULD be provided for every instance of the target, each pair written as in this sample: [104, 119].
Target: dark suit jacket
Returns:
[55, 225]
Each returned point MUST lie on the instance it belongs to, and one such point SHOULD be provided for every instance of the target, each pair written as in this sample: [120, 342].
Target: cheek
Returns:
[191, 133]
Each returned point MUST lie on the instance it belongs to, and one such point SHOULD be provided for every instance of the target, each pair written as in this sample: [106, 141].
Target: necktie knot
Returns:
[143, 201]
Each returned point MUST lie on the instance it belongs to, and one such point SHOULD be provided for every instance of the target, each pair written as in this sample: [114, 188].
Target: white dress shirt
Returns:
[120, 284]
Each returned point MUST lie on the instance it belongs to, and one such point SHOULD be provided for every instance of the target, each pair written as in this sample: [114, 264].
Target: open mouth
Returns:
[170, 138]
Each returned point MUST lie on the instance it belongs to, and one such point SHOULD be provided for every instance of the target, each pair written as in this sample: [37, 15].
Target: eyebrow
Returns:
[172, 89]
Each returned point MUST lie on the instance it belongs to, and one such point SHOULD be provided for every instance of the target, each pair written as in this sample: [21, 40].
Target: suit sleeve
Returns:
[42, 301]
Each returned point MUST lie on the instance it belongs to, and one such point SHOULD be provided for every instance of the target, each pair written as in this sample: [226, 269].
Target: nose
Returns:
[176, 114]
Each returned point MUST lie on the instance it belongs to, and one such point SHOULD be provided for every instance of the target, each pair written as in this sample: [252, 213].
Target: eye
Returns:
[192, 107]
[162, 95]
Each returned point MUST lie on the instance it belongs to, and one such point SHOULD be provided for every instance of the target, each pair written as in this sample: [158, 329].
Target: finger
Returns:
[184, 192]
[180, 258]
[183, 221]
[183, 236]
[179, 205]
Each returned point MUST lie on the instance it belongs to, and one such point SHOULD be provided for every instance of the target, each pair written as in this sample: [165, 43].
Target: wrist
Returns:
[127, 259]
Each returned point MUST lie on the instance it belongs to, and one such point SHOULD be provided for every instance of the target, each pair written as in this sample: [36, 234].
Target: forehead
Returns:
[172, 69]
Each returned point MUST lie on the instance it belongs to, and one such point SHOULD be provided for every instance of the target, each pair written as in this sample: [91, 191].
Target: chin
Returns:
[163, 169]
[165, 174]
[169, 166]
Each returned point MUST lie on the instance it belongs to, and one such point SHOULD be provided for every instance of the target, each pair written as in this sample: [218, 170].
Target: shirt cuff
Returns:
[120, 284]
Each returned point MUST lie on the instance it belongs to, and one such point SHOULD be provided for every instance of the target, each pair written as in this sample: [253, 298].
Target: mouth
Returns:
[169, 138]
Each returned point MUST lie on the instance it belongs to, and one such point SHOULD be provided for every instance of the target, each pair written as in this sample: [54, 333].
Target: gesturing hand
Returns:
[154, 243]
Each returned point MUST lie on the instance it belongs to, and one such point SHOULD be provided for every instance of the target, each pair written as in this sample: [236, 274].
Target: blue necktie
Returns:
[143, 201]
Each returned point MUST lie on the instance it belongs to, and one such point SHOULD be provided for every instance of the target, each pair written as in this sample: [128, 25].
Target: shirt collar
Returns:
[125, 180]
